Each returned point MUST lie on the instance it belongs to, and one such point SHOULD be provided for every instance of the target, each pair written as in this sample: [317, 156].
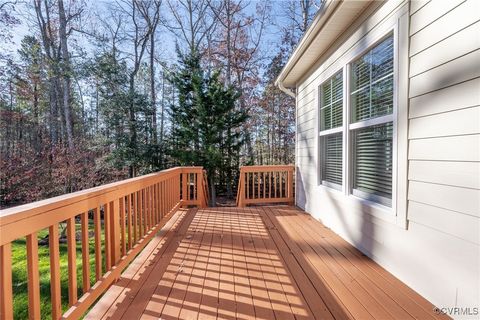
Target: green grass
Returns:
[19, 274]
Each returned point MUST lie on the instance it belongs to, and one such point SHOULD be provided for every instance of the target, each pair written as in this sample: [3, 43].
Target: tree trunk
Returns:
[162, 121]
[65, 74]
[132, 126]
[152, 88]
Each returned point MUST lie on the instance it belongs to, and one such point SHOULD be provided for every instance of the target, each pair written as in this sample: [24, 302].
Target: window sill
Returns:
[374, 209]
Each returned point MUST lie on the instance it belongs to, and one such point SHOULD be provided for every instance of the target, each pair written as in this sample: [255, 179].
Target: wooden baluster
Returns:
[144, 212]
[248, 184]
[179, 181]
[195, 185]
[155, 204]
[97, 225]
[129, 220]
[167, 193]
[152, 207]
[33, 277]
[107, 231]
[123, 237]
[280, 175]
[165, 196]
[115, 230]
[162, 208]
[135, 217]
[148, 211]
[6, 298]
[72, 262]
[258, 186]
[184, 186]
[171, 193]
[55, 290]
[275, 183]
[177, 186]
[264, 181]
[252, 187]
[159, 208]
[85, 253]
[269, 184]
[140, 214]
[160, 199]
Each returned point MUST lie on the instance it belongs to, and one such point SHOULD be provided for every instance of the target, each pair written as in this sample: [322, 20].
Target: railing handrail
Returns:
[267, 168]
[133, 211]
[13, 214]
[264, 174]
[83, 200]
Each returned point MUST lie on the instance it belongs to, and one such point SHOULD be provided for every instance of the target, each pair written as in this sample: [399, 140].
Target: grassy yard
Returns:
[19, 274]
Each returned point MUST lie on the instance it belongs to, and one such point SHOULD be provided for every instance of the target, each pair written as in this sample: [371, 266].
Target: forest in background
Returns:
[89, 96]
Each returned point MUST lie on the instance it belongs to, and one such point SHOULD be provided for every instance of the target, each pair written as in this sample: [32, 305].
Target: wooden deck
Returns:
[255, 262]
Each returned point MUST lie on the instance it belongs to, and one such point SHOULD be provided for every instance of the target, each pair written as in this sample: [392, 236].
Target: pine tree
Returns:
[205, 121]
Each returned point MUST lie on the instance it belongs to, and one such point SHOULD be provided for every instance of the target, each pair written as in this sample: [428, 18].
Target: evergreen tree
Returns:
[205, 120]
[115, 104]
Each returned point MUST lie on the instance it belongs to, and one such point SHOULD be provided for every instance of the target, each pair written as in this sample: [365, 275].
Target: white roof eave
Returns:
[323, 23]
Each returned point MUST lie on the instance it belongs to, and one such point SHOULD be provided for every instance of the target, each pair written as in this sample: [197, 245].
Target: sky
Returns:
[25, 13]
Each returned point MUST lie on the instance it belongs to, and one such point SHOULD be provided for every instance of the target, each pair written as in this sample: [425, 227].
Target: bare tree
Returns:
[238, 44]
[150, 11]
[42, 11]
[66, 71]
[300, 13]
[143, 20]
[192, 21]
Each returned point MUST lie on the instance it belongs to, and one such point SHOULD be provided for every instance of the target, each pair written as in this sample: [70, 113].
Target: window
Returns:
[369, 139]
[331, 130]
[371, 123]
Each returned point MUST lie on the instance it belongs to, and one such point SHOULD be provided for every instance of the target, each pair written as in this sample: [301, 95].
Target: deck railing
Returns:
[265, 184]
[133, 211]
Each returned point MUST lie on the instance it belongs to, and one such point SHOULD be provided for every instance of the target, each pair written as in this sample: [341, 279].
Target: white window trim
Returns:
[397, 24]
[389, 209]
[327, 132]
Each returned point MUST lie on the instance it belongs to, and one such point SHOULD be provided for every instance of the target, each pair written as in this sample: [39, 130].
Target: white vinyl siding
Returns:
[444, 117]
[442, 205]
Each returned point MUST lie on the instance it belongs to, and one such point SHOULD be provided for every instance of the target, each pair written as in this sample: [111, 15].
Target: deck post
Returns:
[241, 191]
[200, 194]
[184, 187]
[290, 187]
[6, 302]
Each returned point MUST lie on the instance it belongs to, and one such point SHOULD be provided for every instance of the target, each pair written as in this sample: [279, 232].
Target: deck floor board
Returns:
[272, 262]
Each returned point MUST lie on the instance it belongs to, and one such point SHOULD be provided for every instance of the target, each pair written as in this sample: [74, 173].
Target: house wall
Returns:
[437, 253]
